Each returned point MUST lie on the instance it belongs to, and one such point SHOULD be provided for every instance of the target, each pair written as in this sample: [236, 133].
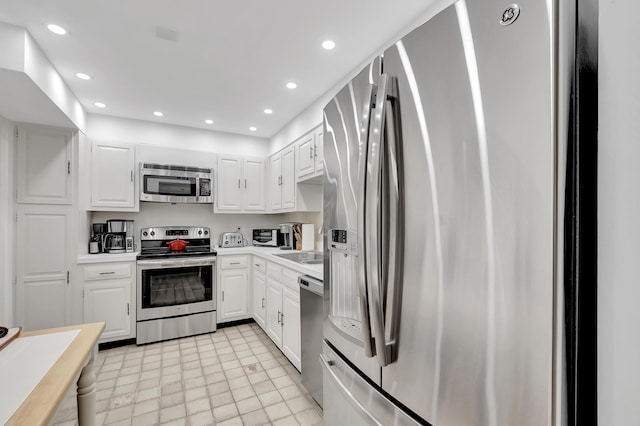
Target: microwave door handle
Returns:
[369, 348]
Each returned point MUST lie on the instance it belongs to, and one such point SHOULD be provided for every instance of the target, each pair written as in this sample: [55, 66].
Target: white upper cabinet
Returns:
[275, 182]
[44, 165]
[113, 177]
[310, 157]
[282, 183]
[241, 185]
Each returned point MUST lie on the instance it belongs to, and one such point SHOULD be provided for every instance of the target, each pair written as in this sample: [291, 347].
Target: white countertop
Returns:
[268, 253]
[108, 257]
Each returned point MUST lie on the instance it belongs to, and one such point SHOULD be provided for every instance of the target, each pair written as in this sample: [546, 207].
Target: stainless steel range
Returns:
[176, 283]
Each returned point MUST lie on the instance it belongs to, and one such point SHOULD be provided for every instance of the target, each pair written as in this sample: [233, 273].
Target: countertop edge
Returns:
[268, 253]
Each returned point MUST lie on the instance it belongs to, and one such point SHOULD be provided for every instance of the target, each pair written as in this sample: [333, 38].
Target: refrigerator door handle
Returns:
[363, 276]
[327, 364]
[373, 209]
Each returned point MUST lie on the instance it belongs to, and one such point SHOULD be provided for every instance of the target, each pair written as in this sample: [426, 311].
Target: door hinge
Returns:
[68, 167]
[223, 296]
[127, 309]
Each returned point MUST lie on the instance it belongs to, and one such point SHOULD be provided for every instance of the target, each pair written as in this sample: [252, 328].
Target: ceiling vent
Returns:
[165, 33]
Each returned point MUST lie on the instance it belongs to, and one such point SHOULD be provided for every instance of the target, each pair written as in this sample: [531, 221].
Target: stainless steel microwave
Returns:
[175, 184]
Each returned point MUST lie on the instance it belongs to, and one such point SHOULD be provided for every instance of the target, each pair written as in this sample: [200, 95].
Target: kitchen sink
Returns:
[304, 257]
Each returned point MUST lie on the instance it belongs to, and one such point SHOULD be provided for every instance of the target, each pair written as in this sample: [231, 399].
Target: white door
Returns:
[42, 267]
[109, 302]
[305, 162]
[288, 178]
[259, 302]
[229, 183]
[44, 165]
[275, 181]
[233, 296]
[291, 326]
[318, 153]
[274, 311]
[254, 184]
[112, 175]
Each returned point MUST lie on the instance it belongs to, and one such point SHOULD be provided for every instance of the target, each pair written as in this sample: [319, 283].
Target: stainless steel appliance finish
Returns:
[231, 239]
[311, 293]
[175, 289]
[175, 184]
[267, 238]
[440, 225]
[288, 236]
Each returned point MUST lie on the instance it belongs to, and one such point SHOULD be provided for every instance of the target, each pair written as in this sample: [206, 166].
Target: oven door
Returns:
[174, 287]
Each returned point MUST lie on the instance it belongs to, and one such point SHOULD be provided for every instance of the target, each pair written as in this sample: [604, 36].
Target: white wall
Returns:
[619, 214]
[106, 128]
[7, 211]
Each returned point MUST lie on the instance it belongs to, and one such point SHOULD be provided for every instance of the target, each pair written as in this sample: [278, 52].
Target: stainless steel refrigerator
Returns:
[445, 165]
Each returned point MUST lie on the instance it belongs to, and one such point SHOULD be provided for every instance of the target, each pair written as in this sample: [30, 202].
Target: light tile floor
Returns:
[235, 376]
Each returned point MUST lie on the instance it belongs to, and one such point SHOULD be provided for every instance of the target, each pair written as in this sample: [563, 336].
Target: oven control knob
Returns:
[145, 233]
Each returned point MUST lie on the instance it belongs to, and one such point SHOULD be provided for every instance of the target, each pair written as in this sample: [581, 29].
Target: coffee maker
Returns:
[97, 232]
[288, 235]
[119, 236]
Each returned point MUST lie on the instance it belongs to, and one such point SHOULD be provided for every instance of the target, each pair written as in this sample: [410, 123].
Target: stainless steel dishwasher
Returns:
[311, 293]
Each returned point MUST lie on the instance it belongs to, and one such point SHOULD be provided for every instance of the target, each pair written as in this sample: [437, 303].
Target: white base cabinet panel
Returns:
[259, 291]
[109, 296]
[233, 288]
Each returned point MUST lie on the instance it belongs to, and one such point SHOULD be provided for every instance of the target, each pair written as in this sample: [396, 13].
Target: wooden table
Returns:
[76, 362]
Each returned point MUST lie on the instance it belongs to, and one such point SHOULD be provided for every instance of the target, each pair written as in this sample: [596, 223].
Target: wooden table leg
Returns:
[87, 394]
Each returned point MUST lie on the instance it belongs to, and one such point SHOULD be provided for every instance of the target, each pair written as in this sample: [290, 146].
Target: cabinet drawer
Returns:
[274, 271]
[233, 262]
[290, 279]
[107, 271]
[259, 264]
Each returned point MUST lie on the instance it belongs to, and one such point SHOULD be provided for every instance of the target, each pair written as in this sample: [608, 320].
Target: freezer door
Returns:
[346, 123]
[474, 345]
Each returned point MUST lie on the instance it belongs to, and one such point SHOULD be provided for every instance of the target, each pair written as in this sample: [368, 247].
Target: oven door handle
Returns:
[176, 263]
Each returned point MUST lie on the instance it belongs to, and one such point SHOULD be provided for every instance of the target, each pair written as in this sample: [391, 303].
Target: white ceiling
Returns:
[231, 60]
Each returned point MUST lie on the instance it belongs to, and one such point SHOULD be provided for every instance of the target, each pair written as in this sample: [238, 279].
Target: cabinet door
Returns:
[275, 182]
[305, 161]
[109, 301]
[288, 178]
[291, 327]
[254, 185]
[44, 165]
[42, 267]
[229, 183]
[233, 294]
[318, 153]
[259, 293]
[274, 311]
[112, 175]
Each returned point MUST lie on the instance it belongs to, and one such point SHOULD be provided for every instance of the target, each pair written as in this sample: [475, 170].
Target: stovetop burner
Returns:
[153, 242]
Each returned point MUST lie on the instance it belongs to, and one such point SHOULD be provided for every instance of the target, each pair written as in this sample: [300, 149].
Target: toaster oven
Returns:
[267, 238]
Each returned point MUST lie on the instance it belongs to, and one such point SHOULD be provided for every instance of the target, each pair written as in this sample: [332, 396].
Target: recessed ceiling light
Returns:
[253, 129]
[328, 44]
[56, 29]
[100, 105]
[291, 85]
[268, 111]
[208, 121]
[83, 76]
[158, 114]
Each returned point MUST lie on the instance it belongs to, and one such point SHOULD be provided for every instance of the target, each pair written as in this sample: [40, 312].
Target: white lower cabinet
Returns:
[259, 291]
[109, 296]
[233, 288]
[283, 311]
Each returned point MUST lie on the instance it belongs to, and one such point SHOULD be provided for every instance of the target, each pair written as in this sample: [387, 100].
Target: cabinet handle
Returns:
[223, 296]
[279, 314]
[234, 263]
[108, 273]
[263, 303]
[238, 183]
[311, 153]
[127, 309]
[131, 175]
[245, 184]
[257, 264]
